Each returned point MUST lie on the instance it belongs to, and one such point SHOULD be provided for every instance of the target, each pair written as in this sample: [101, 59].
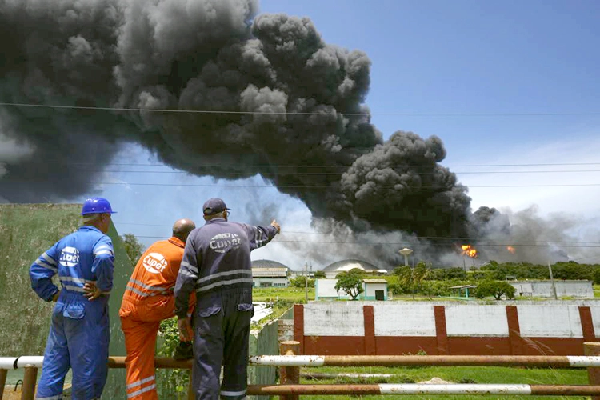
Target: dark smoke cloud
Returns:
[534, 238]
[211, 55]
[400, 183]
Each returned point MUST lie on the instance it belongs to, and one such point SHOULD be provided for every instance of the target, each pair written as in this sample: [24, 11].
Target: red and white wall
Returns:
[345, 328]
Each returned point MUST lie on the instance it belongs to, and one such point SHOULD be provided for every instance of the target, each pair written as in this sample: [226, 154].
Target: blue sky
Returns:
[439, 57]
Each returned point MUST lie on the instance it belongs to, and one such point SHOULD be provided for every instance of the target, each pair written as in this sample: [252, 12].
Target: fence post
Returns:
[289, 375]
[3, 373]
[29, 381]
[191, 395]
[593, 349]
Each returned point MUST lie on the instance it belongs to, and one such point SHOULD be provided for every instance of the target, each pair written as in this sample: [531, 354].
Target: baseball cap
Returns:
[214, 206]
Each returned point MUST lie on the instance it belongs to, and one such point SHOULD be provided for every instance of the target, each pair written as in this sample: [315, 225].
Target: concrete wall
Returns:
[578, 289]
[552, 327]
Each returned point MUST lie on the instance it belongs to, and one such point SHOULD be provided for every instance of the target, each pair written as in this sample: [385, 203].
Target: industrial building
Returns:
[267, 273]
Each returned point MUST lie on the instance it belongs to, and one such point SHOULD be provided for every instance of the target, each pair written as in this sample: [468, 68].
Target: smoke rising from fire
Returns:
[305, 126]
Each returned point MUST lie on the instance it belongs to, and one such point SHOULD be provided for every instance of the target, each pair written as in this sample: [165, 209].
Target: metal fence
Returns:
[290, 363]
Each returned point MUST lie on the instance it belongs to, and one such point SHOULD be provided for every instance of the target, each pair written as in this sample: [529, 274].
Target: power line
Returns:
[475, 241]
[192, 111]
[344, 167]
[404, 243]
[339, 173]
[328, 186]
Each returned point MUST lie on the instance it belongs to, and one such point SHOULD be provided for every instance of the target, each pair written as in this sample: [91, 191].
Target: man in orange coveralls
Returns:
[149, 299]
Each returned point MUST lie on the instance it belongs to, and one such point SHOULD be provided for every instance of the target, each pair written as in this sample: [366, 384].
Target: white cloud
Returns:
[549, 199]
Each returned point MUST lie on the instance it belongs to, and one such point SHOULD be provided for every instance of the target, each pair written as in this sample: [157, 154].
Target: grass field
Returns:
[455, 375]
[291, 294]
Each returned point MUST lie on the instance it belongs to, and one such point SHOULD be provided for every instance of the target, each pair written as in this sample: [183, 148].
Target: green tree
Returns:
[404, 274]
[300, 281]
[133, 247]
[495, 288]
[411, 278]
[319, 274]
[350, 282]
[597, 276]
[421, 272]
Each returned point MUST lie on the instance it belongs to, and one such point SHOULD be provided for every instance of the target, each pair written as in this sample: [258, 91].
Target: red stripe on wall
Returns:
[299, 326]
[369, 321]
[404, 345]
[334, 345]
[553, 346]
[439, 313]
[587, 325]
[400, 345]
[485, 346]
[514, 332]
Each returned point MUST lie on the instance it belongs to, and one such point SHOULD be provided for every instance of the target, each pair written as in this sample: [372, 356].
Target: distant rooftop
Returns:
[347, 265]
[268, 264]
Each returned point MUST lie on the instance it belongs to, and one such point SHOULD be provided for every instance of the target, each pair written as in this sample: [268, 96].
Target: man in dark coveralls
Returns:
[216, 264]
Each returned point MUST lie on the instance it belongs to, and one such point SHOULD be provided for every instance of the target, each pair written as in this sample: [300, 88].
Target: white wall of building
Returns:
[578, 289]
[325, 289]
[371, 287]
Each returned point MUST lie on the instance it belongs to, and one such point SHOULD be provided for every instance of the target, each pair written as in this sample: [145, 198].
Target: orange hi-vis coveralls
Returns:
[148, 299]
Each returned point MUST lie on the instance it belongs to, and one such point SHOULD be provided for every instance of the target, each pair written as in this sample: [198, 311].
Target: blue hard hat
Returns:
[96, 205]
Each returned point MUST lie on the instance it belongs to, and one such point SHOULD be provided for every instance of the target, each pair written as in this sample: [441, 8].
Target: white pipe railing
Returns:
[317, 361]
[7, 362]
[30, 361]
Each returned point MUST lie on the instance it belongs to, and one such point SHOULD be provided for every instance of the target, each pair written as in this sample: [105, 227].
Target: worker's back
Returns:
[224, 250]
[72, 258]
[156, 271]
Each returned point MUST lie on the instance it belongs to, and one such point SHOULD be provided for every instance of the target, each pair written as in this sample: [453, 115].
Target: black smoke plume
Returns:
[304, 124]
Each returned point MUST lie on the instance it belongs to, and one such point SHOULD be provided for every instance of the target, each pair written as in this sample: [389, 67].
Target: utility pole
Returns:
[306, 282]
[552, 281]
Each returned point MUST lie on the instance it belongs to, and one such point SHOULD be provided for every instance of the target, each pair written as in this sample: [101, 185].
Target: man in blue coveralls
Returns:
[79, 334]
[216, 264]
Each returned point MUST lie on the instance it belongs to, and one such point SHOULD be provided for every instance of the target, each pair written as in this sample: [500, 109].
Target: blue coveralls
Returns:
[216, 263]
[79, 335]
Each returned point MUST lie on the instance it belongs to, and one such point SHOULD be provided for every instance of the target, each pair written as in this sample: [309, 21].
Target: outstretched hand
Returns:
[276, 225]
[91, 291]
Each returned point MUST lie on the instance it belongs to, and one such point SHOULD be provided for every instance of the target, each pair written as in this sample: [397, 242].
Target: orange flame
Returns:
[469, 251]
[511, 249]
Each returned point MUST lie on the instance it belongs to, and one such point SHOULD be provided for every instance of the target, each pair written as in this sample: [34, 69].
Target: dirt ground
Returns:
[11, 394]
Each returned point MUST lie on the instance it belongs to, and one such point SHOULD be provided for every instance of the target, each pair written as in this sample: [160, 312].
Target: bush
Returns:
[171, 383]
[497, 289]
[597, 276]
